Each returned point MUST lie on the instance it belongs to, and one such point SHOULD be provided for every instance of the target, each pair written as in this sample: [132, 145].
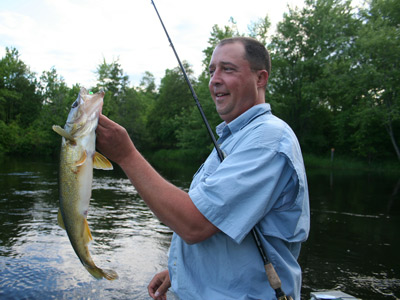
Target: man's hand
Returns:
[159, 285]
[112, 140]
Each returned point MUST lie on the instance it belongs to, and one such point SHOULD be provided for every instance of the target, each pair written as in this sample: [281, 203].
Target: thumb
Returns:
[163, 288]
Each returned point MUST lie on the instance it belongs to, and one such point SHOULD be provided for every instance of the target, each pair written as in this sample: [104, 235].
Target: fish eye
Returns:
[75, 104]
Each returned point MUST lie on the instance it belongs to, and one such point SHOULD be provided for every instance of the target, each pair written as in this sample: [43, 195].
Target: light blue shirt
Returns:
[262, 183]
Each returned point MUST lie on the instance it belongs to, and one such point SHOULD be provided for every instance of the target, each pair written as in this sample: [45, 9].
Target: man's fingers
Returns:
[163, 289]
[104, 121]
[159, 285]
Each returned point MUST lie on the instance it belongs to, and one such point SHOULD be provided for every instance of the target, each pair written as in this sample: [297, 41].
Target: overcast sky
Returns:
[75, 35]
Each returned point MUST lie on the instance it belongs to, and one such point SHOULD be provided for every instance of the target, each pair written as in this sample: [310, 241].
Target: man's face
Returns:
[233, 85]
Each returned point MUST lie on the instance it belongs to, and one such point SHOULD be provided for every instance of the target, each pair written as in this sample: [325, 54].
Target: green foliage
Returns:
[335, 80]
[19, 100]
[259, 29]
[192, 134]
[378, 49]
[311, 79]
[111, 78]
[174, 100]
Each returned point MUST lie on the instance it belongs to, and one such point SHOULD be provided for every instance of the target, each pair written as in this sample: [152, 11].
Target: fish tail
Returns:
[100, 273]
[92, 268]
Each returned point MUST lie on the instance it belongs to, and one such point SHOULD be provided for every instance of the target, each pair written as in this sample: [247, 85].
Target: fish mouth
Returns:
[92, 103]
[85, 112]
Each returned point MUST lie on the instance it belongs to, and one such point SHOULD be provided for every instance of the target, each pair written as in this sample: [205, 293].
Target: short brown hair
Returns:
[255, 52]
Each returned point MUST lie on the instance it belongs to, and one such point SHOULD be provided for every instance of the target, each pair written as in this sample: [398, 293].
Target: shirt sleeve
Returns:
[236, 194]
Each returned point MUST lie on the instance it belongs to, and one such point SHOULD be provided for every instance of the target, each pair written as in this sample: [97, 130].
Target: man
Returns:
[261, 183]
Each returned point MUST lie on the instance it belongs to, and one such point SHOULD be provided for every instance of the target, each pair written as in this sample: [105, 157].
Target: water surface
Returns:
[353, 246]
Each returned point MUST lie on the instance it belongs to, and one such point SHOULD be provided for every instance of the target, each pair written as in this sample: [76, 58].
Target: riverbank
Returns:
[170, 157]
[348, 163]
[173, 159]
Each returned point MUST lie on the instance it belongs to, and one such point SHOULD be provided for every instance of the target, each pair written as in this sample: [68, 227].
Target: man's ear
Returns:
[262, 78]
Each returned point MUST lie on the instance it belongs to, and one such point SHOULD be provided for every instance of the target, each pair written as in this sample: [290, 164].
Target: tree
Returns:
[379, 69]
[19, 97]
[259, 29]
[58, 98]
[311, 78]
[111, 78]
[174, 100]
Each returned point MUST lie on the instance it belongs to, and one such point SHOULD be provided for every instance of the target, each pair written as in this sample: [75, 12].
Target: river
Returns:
[354, 243]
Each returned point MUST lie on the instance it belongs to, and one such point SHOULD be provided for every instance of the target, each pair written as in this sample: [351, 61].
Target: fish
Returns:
[78, 157]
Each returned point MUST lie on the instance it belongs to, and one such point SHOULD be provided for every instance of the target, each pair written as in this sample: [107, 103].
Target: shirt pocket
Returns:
[198, 171]
[211, 165]
[205, 170]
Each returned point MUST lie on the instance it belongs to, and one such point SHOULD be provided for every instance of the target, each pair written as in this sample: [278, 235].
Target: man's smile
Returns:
[220, 95]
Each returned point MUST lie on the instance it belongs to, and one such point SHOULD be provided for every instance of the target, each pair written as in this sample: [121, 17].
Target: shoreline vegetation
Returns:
[179, 160]
[311, 161]
[174, 158]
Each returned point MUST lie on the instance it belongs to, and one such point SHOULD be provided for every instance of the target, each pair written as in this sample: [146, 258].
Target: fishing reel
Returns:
[280, 295]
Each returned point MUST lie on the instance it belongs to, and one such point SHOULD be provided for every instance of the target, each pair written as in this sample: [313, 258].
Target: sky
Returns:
[75, 36]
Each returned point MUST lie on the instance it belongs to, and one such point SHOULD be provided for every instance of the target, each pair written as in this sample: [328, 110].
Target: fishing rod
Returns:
[273, 277]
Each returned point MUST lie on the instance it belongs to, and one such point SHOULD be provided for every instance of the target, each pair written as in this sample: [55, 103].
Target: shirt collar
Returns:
[244, 119]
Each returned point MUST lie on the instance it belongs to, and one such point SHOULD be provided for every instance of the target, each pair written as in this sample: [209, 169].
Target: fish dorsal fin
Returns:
[82, 160]
[101, 162]
[87, 236]
[61, 131]
[60, 220]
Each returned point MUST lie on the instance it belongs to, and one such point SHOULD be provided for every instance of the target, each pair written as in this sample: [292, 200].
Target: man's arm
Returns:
[171, 205]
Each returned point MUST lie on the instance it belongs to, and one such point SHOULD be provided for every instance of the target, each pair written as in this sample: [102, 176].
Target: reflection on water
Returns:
[354, 241]
[353, 246]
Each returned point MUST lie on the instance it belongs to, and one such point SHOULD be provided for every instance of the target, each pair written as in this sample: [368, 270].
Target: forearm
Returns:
[171, 205]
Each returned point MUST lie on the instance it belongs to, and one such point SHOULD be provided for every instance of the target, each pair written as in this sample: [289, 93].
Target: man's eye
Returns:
[211, 72]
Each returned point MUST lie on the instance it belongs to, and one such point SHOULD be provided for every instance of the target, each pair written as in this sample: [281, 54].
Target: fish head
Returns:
[84, 114]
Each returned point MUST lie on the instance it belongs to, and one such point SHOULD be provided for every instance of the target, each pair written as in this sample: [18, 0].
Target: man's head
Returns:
[255, 52]
[239, 70]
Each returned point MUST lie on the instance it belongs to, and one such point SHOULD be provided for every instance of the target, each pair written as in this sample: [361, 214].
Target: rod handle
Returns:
[273, 277]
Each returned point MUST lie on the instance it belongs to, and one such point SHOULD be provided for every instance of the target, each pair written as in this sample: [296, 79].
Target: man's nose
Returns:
[215, 78]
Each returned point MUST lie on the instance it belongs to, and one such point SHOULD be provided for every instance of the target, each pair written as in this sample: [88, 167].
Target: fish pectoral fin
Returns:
[82, 160]
[87, 236]
[60, 220]
[101, 162]
[61, 131]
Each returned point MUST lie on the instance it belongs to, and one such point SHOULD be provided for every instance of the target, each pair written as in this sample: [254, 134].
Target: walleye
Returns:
[77, 160]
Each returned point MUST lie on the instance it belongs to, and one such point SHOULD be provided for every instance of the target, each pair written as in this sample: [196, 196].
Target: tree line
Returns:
[335, 80]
